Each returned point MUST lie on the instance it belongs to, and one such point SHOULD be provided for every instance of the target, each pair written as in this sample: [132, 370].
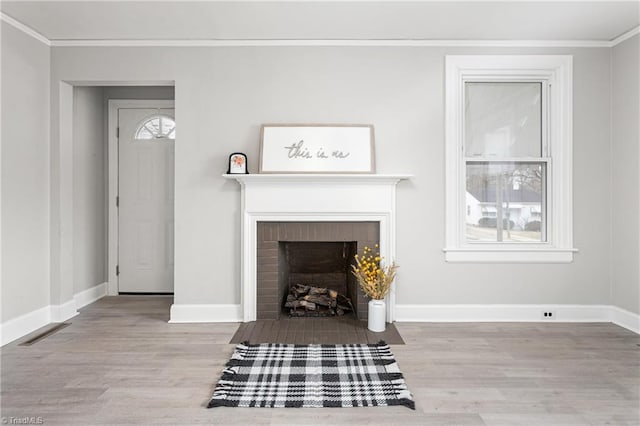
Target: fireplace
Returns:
[337, 203]
[309, 253]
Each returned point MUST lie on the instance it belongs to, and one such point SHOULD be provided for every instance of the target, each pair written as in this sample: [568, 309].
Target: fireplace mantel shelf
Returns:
[319, 178]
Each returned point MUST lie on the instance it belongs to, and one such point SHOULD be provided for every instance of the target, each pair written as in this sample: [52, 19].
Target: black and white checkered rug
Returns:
[283, 375]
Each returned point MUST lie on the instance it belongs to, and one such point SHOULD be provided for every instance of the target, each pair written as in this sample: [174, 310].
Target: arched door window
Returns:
[157, 127]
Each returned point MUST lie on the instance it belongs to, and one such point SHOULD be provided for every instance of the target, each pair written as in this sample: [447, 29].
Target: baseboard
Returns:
[63, 312]
[626, 319]
[182, 313]
[24, 324]
[90, 295]
[518, 313]
[501, 313]
[28, 323]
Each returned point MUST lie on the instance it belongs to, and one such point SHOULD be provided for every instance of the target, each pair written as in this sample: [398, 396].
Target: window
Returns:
[157, 127]
[509, 159]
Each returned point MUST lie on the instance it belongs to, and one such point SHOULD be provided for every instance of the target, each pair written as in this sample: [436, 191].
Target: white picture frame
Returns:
[317, 148]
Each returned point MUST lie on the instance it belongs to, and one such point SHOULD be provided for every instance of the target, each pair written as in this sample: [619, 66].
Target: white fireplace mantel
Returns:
[317, 178]
[313, 198]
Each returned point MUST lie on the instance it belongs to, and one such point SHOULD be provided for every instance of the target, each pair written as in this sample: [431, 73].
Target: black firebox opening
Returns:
[315, 278]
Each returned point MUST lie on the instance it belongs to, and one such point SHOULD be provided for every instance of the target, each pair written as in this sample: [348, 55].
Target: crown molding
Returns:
[329, 43]
[626, 36]
[24, 28]
[312, 42]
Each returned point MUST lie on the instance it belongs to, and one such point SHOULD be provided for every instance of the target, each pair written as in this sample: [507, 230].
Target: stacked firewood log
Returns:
[306, 300]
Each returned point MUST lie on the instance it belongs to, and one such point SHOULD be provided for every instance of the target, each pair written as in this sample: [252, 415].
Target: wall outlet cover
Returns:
[548, 314]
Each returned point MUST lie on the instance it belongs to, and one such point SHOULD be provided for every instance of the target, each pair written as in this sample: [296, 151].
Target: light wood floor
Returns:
[121, 363]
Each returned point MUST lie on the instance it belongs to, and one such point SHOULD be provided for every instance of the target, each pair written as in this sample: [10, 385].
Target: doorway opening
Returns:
[84, 189]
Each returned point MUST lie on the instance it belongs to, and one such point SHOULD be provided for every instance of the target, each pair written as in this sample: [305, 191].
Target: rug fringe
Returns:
[399, 383]
[409, 403]
[238, 355]
[402, 392]
[234, 363]
[394, 376]
[383, 348]
[221, 390]
[220, 403]
[385, 355]
[228, 374]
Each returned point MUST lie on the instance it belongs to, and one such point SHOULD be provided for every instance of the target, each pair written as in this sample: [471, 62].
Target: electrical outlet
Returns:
[548, 315]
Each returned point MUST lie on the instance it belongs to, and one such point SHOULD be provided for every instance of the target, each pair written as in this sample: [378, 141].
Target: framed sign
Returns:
[317, 148]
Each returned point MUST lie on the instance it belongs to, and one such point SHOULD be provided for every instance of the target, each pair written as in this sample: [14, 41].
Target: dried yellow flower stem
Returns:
[374, 280]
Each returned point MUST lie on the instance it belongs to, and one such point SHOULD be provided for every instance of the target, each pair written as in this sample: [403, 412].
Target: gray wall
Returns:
[89, 189]
[25, 173]
[224, 94]
[625, 141]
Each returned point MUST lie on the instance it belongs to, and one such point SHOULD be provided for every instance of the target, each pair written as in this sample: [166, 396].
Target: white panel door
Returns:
[145, 189]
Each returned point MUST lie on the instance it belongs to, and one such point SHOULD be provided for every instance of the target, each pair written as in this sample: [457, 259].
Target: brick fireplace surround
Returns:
[337, 203]
[271, 287]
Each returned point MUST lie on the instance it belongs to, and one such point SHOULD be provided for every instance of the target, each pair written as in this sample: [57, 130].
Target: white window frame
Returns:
[555, 71]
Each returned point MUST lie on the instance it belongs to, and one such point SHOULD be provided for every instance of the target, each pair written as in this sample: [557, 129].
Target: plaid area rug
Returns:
[283, 375]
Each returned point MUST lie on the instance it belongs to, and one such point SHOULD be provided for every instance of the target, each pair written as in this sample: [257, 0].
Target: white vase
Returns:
[377, 315]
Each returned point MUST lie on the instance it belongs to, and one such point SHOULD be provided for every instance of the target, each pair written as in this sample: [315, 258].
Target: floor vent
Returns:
[46, 333]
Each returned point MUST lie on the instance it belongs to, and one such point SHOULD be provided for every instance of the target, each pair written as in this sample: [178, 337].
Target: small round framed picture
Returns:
[237, 164]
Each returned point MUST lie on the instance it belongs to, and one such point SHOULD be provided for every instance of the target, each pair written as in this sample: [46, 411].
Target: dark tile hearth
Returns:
[304, 331]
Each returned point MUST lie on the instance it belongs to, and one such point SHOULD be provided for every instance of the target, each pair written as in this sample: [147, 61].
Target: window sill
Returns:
[508, 255]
